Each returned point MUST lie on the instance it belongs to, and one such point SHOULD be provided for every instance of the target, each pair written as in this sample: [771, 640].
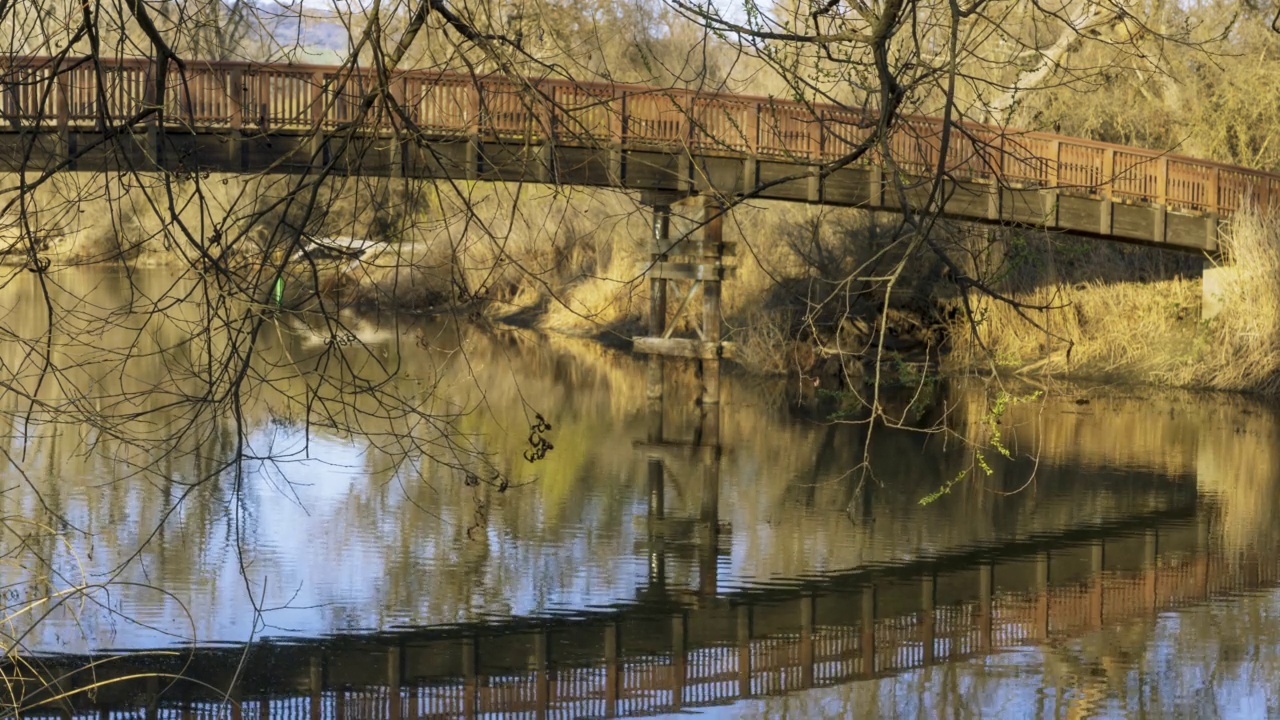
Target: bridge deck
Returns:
[239, 117]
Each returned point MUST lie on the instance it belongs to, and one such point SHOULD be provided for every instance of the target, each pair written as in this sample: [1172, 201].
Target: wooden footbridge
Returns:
[676, 649]
[80, 114]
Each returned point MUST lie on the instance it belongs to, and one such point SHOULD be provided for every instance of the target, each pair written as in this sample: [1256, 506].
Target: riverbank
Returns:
[818, 293]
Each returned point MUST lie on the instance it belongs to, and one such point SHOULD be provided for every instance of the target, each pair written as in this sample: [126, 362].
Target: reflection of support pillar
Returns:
[986, 582]
[679, 662]
[807, 620]
[317, 686]
[1203, 535]
[1150, 563]
[612, 669]
[470, 677]
[542, 675]
[657, 499]
[1097, 556]
[658, 299]
[153, 697]
[744, 651]
[394, 674]
[929, 591]
[869, 630]
[1042, 595]
[709, 364]
[709, 514]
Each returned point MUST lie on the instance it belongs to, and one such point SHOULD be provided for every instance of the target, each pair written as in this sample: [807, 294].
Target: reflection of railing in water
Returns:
[665, 656]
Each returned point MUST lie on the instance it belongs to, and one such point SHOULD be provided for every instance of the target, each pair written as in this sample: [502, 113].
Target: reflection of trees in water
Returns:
[383, 492]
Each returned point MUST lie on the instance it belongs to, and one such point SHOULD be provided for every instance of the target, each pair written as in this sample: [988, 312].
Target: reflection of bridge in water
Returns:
[680, 648]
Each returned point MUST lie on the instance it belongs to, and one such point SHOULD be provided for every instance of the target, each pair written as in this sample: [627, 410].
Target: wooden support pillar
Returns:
[869, 630]
[1097, 558]
[318, 143]
[235, 135]
[744, 651]
[1042, 595]
[470, 677]
[395, 675]
[612, 669]
[875, 187]
[236, 702]
[986, 583]
[317, 686]
[658, 301]
[474, 158]
[928, 629]
[1151, 564]
[542, 675]
[702, 251]
[62, 114]
[709, 365]
[679, 660]
[807, 620]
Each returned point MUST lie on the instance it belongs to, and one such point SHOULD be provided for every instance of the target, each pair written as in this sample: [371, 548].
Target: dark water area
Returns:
[395, 552]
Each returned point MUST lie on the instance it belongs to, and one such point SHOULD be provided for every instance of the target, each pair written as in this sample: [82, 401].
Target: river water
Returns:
[492, 510]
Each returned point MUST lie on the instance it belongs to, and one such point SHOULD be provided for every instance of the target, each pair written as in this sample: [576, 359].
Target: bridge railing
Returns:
[37, 93]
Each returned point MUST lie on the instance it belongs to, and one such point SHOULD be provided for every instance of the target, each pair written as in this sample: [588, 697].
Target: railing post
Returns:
[317, 110]
[815, 137]
[1212, 203]
[235, 119]
[155, 106]
[235, 98]
[928, 633]
[395, 675]
[613, 669]
[319, 147]
[542, 675]
[986, 587]
[1107, 188]
[744, 650]
[1042, 595]
[397, 148]
[1054, 164]
[1162, 180]
[470, 677]
[1097, 559]
[679, 661]
[807, 621]
[869, 630]
[317, 686]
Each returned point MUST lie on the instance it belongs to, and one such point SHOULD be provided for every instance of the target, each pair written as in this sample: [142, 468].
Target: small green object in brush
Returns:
[277, 293]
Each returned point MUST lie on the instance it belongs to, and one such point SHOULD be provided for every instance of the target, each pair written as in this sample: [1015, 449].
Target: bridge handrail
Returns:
[281, 97]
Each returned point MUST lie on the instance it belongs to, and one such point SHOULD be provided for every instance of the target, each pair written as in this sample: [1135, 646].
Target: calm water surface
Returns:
[1122, 563]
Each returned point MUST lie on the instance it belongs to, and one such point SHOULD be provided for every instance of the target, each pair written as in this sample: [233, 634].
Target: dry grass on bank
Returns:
[1135, 316]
